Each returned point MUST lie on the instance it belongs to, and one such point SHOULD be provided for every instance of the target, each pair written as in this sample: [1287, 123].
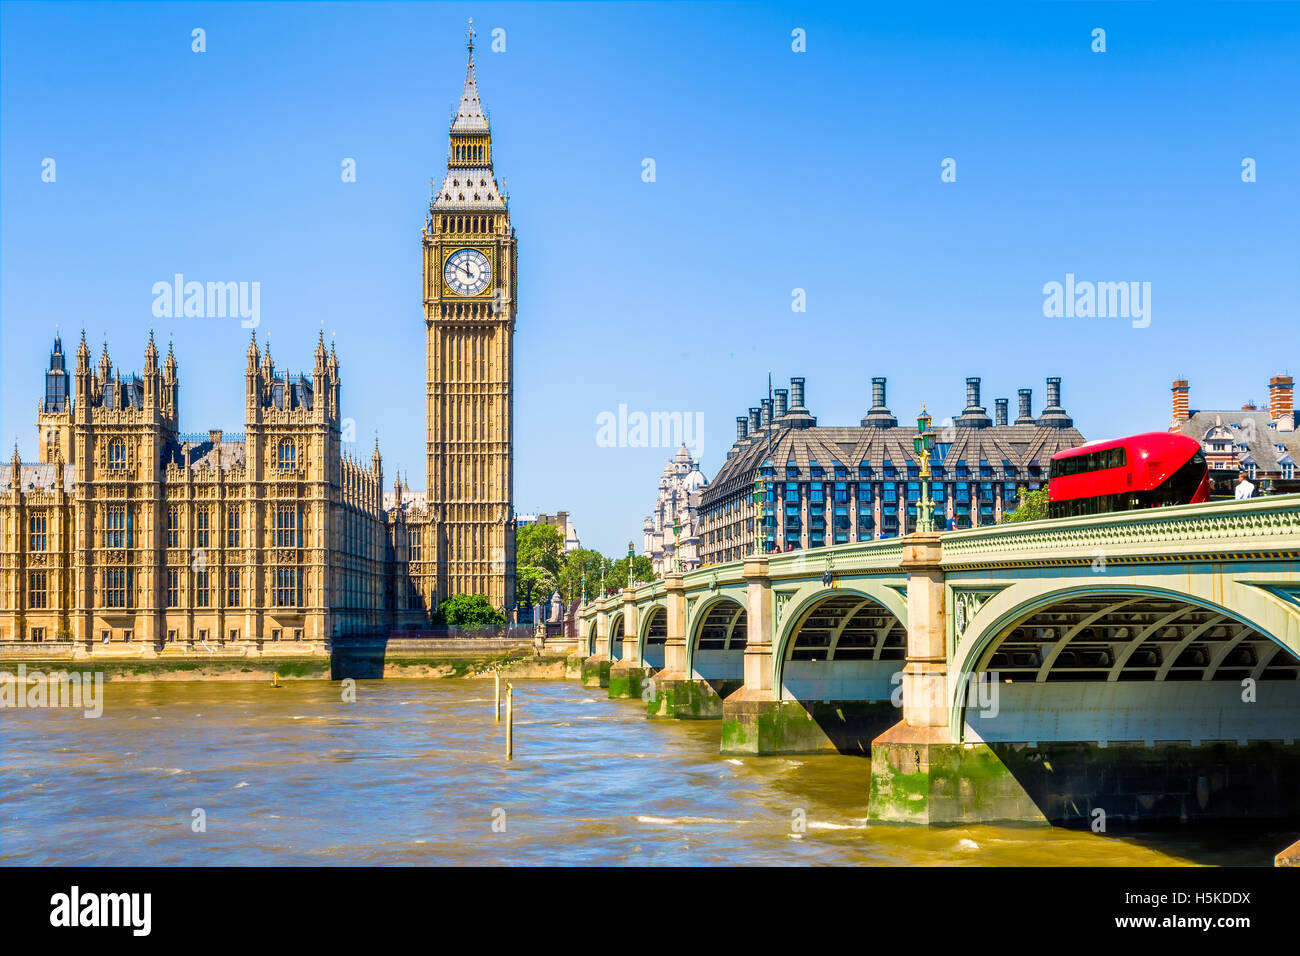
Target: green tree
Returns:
[571, 572]
[539, 546]
[539, 556]
[532, 585]
[469, 610]
[642, 572]
[1032, 507]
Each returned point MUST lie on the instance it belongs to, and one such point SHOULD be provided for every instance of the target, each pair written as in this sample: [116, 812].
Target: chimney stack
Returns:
[1000, 411]
[1281, 397]
[879, 415]
[1054, 415]
[798, 416]
[782, 402]
[974, 416]
[755, 419]
[1181, 398]
[742, 427]
[1054, 392]
[766, 405]
[1026, 416]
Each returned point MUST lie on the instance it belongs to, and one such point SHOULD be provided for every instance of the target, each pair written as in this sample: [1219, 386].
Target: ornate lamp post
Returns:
[584, 585]
[677, 545]
[760, 533]
[630, 553]
[923, 444]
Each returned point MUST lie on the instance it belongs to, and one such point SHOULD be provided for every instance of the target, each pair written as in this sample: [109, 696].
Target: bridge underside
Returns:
[1113, 669]
[1116, 707]
[836, 678]
[714, 668]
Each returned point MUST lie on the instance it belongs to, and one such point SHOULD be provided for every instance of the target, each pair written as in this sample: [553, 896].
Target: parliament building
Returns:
[129, 531]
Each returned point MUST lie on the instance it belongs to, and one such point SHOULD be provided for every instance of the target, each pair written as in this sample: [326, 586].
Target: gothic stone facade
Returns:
[128, 531]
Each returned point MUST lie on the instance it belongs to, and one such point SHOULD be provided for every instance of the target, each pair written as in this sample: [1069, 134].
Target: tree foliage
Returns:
[571, 573]
[469, 610]
[1032, 507]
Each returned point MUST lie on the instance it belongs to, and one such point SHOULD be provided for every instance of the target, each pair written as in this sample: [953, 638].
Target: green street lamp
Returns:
[923, 444]
[759, 497]
[584, 585]
[677, 544]
[630, 553]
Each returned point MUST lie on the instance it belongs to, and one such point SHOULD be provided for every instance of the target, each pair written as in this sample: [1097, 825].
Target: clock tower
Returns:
[469, 318]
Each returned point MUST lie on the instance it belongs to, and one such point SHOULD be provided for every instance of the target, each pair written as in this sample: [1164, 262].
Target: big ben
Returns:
[469, 309]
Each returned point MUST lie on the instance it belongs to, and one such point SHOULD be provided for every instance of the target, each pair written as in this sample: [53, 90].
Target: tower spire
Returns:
[469, 115]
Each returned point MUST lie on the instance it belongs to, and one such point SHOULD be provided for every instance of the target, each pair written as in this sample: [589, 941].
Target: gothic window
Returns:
[173, 527]
[114, 535]
[117, 587]
[36, 594]
[117, 453]
[288, 534]
[201, 528]
[232, 528]
[288, 588]
[288, 454]
[36, 540]
[414, 542]
[232, 588]
[173, 588]
[201, 589]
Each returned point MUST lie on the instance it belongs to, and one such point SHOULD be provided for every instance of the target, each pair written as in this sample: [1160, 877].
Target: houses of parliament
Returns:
[129, 531]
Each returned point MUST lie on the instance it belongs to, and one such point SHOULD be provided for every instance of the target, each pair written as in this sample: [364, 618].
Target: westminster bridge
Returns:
[1132, 665]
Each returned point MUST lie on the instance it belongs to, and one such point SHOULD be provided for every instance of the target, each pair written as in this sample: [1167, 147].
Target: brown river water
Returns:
[413, 772]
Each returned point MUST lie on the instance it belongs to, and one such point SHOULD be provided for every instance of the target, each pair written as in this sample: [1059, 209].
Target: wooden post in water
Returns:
[510, 721]
[497, 678]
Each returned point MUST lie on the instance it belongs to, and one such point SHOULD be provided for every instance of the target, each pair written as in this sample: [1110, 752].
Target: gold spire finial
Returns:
[469, 35]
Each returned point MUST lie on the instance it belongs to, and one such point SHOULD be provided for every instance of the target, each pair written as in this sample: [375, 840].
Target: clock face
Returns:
[467, 272]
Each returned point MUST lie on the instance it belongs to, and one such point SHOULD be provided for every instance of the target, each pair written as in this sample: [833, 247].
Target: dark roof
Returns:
[291, 393]
[1021, 445]
[1253, 429]
[132, 394]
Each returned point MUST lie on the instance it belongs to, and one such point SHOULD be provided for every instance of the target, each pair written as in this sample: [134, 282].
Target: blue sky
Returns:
[775, 170]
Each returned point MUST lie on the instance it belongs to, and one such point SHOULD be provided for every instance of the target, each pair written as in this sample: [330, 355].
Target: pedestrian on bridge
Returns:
[1245, 489]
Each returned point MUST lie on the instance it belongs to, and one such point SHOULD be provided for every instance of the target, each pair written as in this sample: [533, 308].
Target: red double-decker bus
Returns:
[1143, 471]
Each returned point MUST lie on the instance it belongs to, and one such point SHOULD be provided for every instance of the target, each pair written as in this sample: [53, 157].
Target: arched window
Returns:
[288, 454]
[117, 453]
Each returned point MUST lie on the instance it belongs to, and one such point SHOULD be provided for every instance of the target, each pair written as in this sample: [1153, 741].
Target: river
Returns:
[413, 772]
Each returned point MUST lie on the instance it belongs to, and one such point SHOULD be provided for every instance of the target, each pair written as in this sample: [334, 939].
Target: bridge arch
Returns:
[1127, 663]
[716, 641]
[615, 634]
[840, 643]
[591, 637]
[652, 634]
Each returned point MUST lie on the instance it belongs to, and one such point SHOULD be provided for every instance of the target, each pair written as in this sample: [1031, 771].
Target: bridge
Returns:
[1136, 665]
